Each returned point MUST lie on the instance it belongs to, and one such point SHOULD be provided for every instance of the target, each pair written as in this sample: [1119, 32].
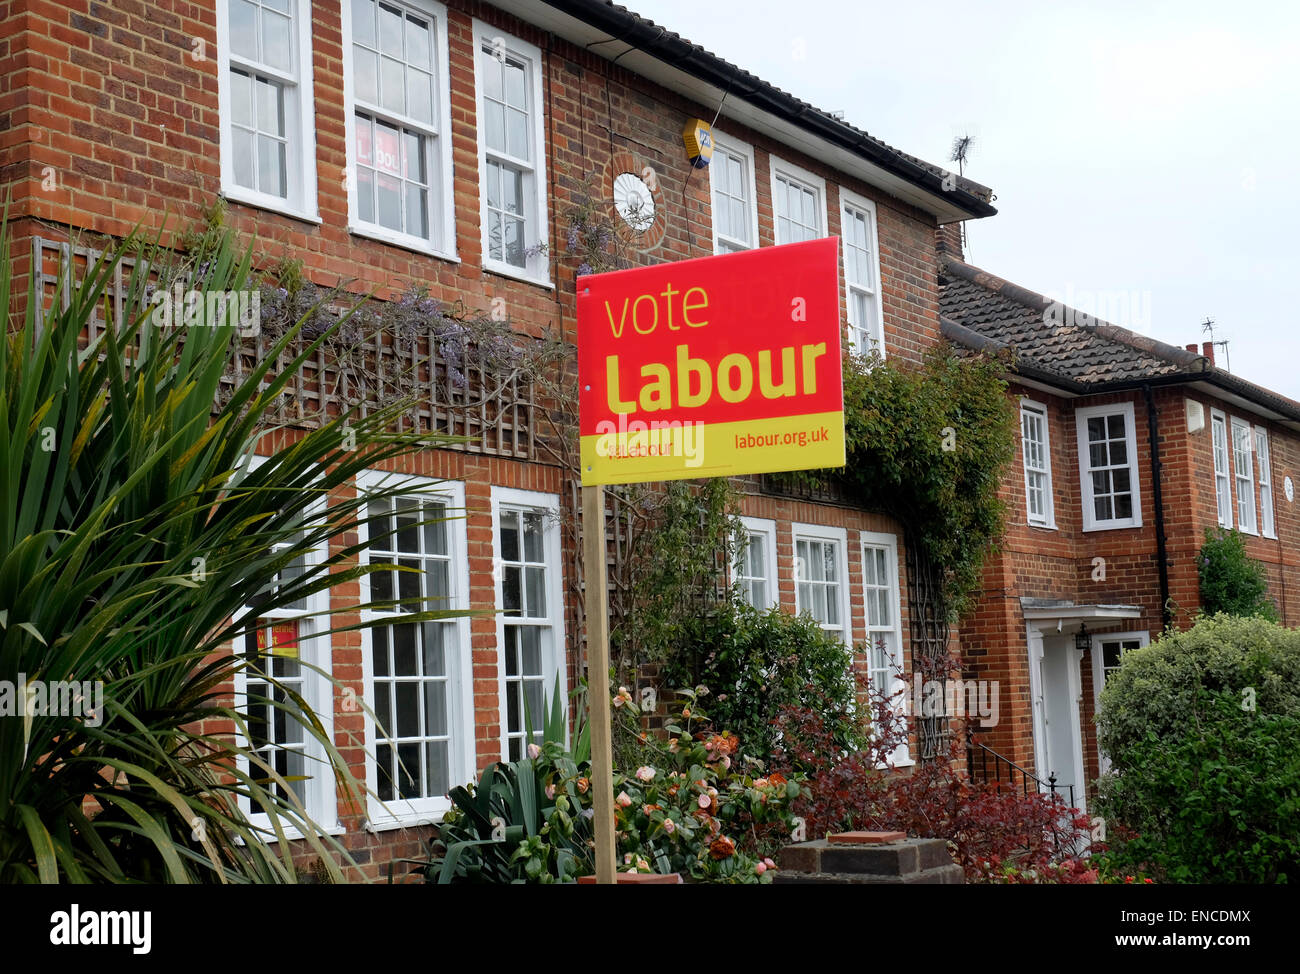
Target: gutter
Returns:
[624, 26]
[1162, 563]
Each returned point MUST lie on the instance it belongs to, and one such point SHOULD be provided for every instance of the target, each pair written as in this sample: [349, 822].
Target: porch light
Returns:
[1082, 640]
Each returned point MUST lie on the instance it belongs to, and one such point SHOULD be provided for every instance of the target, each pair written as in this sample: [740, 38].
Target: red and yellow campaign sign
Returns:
[284, 639]
[712, 367]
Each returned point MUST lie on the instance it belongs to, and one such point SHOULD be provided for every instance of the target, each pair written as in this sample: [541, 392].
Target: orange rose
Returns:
[722, 848]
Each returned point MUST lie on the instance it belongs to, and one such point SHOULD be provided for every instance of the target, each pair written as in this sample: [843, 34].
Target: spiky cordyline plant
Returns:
[132, 537]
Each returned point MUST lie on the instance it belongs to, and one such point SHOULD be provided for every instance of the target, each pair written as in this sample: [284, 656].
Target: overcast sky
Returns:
[1143, 151]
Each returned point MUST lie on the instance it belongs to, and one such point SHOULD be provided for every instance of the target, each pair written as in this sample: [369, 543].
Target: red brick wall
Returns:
[1058, 564]
[108, 120]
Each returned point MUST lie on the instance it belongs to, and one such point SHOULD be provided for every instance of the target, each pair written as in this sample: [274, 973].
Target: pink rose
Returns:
[670, 826]
[645, 773]
[761, 868]
[623, 800]
[550, 791]
[534, 751]
[704, 801]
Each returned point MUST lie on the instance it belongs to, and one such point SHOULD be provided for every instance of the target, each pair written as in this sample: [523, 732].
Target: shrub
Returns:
[761, 661]
[131, 544]
[684, 806]
[995, 835]
[1203, 731]
[1232, 581]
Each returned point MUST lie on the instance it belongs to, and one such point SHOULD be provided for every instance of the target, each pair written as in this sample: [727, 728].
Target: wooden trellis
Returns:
[493, 413]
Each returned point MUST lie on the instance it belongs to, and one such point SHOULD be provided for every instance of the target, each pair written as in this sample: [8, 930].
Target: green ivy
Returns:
[928, 444]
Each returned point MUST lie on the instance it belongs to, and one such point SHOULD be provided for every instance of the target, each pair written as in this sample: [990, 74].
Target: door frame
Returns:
[1035, 642]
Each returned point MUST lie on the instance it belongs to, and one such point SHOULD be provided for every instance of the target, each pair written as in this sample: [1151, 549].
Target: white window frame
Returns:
[873, 330]
[404, 812]
[838, 536]
[537, 270]
[767, 529]
[870, 540]
[725, 145]
[553, 650]
[315, 655]
[1098, 673]
[781, 168]
[1048, 518]
[1081, 417]
[1264, 467]
[441, 241]
[1245, 494]
[1221, 459]
[300, 120]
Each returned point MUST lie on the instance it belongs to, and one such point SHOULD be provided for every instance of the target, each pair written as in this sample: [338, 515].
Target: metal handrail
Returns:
[999, 760]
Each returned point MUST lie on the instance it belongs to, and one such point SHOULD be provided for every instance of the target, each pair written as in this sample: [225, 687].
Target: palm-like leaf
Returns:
[118, 480]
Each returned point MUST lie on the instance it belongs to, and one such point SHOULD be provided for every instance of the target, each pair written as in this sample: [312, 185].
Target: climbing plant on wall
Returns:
[928, 444]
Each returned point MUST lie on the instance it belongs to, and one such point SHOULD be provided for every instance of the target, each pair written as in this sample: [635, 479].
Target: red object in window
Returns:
[284, 639]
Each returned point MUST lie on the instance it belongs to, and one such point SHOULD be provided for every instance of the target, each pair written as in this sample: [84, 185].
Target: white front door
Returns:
[1058, 747]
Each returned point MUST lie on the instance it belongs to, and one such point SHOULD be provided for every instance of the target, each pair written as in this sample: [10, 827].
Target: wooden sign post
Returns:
[597, 611]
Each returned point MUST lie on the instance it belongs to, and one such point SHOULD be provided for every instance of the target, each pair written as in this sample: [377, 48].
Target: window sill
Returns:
[1252, 533]
[292, 834]
[1043, 527]
[1113, 527]
[1269, 537]
[406, 242]
[238, 195]
[388, 823]
[505, 270]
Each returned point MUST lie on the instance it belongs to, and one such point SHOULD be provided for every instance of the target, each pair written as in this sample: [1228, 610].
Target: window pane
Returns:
[243, 29]
[435, 651]
[511, 594]
[1116, 426]
[517, 134]
[533, 537]
[419, 95]
[390, 32]
[245, 156]
[417, 211]
[408, 709]
[404, 649]
[270, 107]
[439, 768]
[389, 192]
[515, 88]
[276, 50]
[365, 79]
[392, 94]
[363, 21]
[271, 169]
[495, 126]
[419, 43]
[241, 99]
[536, 578]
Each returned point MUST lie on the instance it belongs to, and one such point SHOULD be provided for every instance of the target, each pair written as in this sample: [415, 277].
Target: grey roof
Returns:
[1067, 348]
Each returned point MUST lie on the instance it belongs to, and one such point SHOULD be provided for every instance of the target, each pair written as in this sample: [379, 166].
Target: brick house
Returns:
[384, 142]
[1129, 450]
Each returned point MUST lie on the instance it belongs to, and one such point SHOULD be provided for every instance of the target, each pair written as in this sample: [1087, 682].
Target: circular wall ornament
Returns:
[1289, 488]
[634, 188]
[634, 201]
